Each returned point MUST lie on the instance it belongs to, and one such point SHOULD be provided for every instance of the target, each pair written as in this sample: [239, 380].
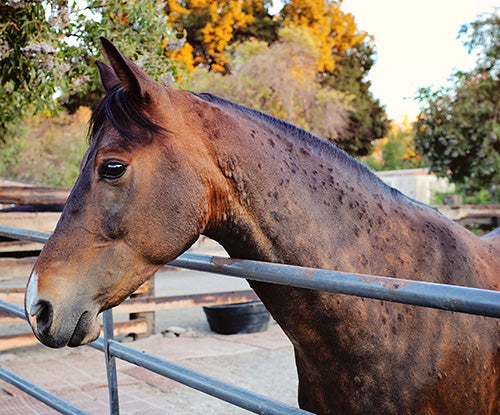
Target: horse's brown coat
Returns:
[268, 191]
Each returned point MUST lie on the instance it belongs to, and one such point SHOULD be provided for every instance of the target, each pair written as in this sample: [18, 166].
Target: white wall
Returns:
[418, 184]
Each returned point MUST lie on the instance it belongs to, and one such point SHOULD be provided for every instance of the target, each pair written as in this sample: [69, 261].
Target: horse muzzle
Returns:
[56, 328]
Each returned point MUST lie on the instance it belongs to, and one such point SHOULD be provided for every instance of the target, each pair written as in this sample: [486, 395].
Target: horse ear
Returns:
[131, 77]
[108, 77]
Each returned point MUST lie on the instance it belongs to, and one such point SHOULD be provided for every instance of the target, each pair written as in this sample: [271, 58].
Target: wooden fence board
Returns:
[20, 246]
[31, 195]
[144, 305]
[137, 326]
[4, 181]
[11, 268]
[463, 212]
[150, 304]
[36, 221]
[12, 295]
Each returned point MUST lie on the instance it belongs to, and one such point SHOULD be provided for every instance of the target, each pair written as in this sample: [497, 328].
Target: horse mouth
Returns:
[80, 332]
[86, 330]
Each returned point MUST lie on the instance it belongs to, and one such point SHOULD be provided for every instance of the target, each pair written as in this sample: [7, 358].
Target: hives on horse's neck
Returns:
[289, 191]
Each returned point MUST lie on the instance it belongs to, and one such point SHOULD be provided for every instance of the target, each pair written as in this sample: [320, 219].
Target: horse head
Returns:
[120, 222]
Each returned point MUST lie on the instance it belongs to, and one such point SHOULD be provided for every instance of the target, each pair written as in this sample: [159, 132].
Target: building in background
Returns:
[419, 184]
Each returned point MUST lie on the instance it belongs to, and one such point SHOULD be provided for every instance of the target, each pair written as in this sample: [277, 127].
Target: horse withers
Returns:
[166, 165]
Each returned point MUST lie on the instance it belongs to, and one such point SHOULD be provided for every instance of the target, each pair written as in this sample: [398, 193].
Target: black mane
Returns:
[275, 122]
[127, 116]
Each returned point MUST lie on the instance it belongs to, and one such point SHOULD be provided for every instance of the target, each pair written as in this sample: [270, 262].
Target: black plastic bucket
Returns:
[251, 317]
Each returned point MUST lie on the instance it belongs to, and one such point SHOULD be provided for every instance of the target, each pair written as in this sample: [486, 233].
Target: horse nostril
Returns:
[43, 312]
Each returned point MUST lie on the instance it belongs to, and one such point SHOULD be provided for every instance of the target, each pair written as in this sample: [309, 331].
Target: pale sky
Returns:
[416, 43]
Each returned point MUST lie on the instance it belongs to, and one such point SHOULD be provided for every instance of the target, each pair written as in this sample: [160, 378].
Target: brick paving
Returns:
[263, 362]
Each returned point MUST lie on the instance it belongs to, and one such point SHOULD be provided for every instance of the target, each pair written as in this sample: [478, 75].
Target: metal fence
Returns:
[440, 296]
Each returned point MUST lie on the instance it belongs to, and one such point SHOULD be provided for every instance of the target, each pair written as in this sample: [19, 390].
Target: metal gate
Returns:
[440, 296]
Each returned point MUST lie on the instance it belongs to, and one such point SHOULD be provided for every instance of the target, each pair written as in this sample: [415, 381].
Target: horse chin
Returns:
[86, 331]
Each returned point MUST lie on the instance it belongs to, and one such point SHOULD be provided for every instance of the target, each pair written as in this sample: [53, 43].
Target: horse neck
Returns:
[287, 197]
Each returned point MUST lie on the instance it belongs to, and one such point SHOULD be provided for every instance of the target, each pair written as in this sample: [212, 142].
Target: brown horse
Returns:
[165, 166]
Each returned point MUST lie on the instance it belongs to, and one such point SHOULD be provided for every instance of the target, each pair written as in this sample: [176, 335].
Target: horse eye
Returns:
[112, 170]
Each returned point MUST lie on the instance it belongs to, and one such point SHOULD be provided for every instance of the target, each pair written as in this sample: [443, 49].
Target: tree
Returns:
[212, 25]
[458, 130]
[140, 31]
[483, 34]
[334, 31]
[397, 150]
[367, 117]
[29, 61]
[280, 79]
[343, 59]
[48, 48]
[54, 47]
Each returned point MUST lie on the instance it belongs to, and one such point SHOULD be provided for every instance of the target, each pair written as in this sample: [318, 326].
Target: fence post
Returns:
[147, 290]
[114, 406]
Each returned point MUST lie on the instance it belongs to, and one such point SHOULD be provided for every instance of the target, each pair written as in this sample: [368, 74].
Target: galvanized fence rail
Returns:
[440, 296]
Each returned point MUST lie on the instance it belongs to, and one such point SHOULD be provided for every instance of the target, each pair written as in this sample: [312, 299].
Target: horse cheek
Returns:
[173, 231]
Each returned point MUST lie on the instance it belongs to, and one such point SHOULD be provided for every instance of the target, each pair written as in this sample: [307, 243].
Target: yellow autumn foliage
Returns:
[223, 18]
[183, 57]
[217, 22]
[334, 31]
[281, 80]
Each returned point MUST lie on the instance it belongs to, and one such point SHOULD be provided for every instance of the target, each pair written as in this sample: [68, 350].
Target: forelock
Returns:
[127, 116]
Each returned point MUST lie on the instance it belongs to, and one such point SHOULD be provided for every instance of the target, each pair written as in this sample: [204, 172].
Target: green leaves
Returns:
[458, 131]
[367, 117]
[48, 49]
